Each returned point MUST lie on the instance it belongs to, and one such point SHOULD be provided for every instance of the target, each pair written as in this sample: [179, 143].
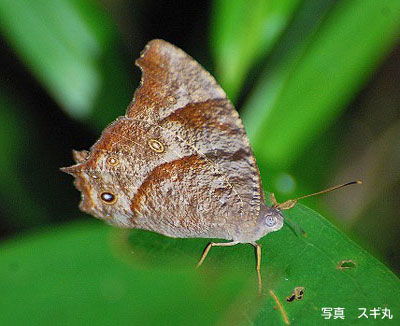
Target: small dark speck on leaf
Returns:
[297, 294]
[346, 264]
[290, 298]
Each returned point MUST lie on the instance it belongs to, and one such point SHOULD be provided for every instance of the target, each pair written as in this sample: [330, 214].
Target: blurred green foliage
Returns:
[248, 31]
[298, 70]
[317, 75]
[85, 274]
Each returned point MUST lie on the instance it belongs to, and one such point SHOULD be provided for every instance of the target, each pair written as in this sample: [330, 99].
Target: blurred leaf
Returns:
[79, 276]
[242, 31]
[99, 275]
[15, 141]
[308, 83]
[61, 42]
[372, 210]
[117, 88]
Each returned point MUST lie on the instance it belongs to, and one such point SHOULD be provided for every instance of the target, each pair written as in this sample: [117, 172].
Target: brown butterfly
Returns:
[179, 162]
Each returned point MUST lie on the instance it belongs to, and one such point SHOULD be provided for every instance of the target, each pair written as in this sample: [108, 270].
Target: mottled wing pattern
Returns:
[179, 161]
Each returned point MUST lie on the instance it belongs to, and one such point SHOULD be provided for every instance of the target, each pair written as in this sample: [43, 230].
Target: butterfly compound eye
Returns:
[270, 221]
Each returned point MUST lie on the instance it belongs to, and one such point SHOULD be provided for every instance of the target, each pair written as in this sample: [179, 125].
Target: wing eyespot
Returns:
[156, 146]
[171, 99]
[112, 161]
[108, 198]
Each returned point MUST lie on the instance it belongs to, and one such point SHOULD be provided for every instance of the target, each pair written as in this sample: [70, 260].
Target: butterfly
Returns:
[179, 162]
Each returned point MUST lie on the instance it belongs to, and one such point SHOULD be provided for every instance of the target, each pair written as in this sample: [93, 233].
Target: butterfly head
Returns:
[270, 219]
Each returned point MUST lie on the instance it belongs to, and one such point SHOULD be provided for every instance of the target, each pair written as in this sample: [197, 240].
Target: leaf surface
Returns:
[94, 273]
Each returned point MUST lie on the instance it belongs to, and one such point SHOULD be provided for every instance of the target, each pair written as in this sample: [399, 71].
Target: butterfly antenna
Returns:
[291, 202]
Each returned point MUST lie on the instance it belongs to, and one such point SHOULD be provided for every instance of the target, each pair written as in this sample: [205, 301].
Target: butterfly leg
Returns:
[214, 244]
[258, 266]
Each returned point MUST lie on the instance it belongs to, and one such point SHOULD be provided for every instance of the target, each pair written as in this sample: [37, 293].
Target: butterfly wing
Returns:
[179, 161]
[171, 79]
[179, 95]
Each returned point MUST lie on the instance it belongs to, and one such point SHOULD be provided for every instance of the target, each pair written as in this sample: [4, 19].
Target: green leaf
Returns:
[327, 55]
[243, 31]
[62, 43]
[89, 274]
[101, 275]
